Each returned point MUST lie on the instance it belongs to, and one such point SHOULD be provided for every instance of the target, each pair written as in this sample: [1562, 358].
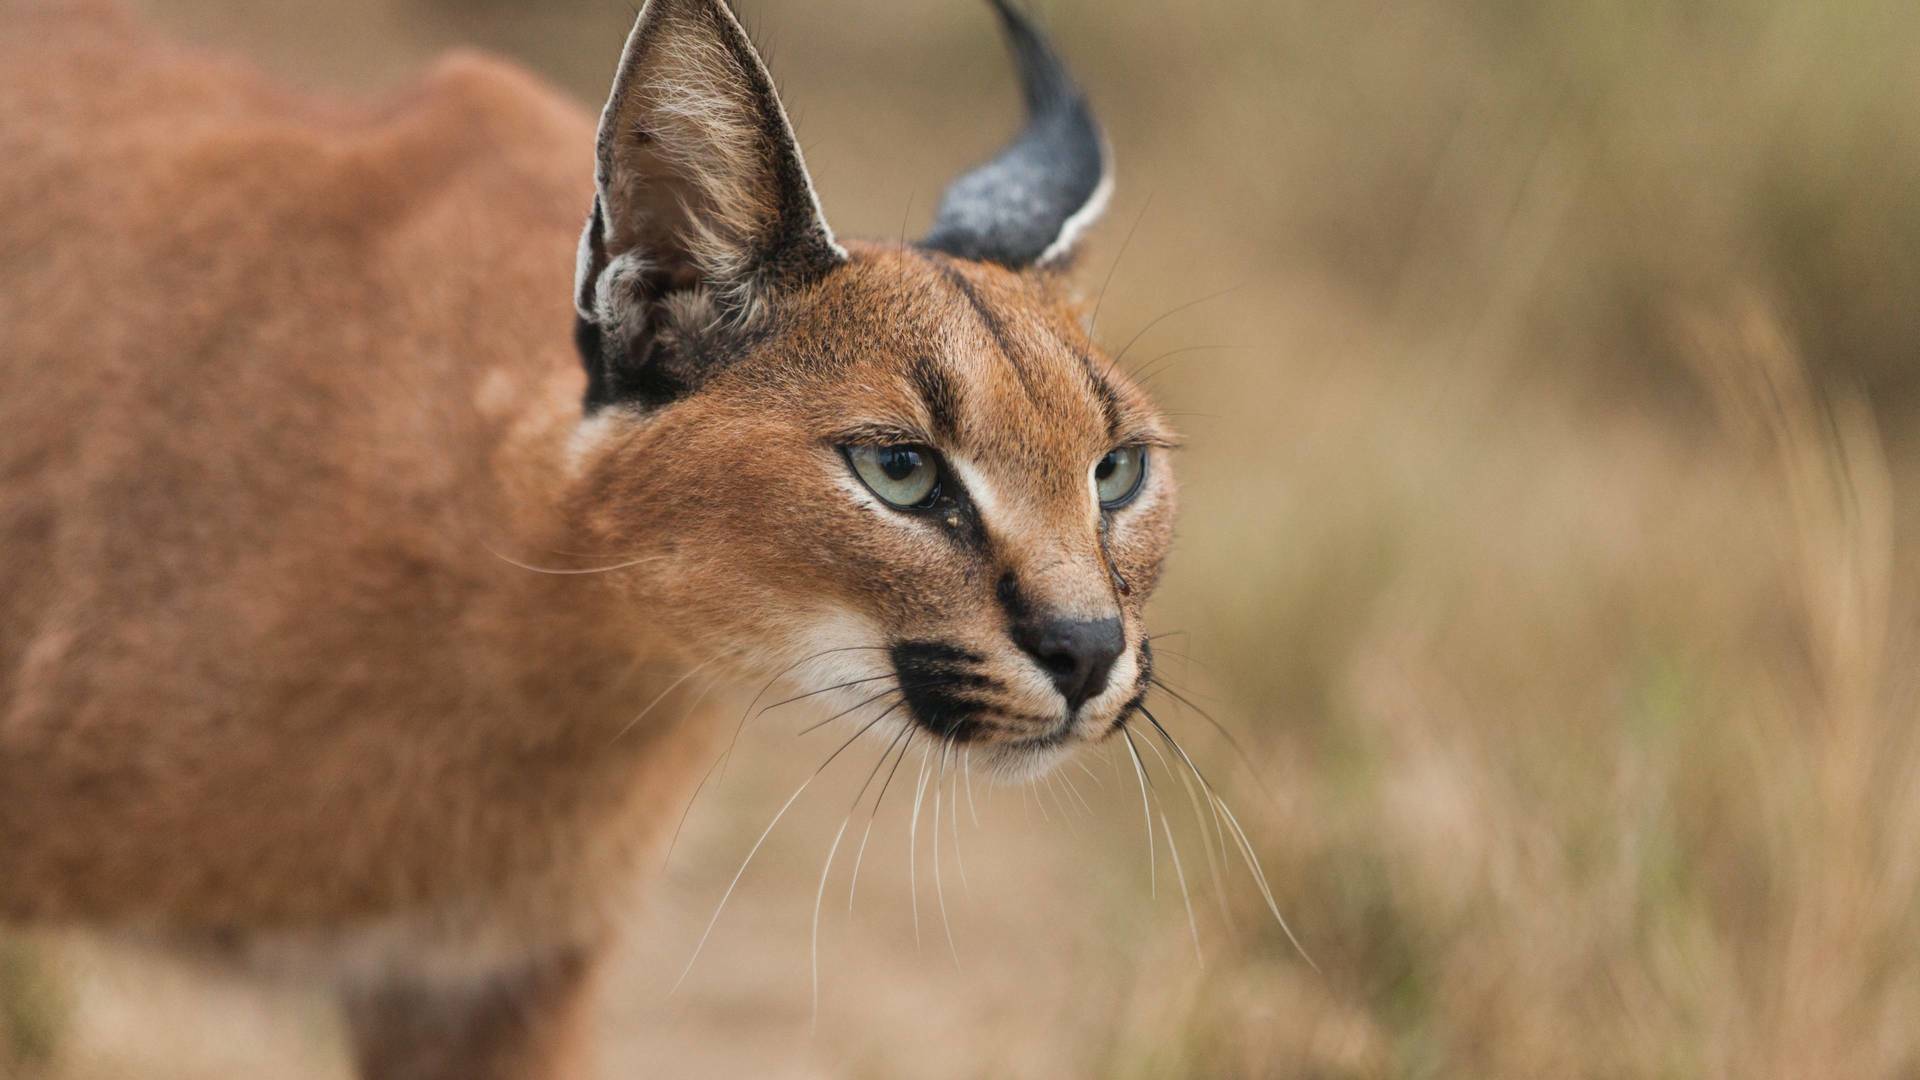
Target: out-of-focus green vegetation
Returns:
[1547, 542]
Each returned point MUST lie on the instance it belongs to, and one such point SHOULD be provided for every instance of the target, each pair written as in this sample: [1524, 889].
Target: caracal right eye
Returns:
[903, 475]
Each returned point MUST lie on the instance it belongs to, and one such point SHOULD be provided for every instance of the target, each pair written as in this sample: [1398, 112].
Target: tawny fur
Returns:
[286, 398]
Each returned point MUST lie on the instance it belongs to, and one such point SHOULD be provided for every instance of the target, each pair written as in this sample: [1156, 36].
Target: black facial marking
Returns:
[586, 339]
[1142, 683]
[1007, 591]
[996, 329]
[1109, 399]
[943, 688]
[1120, 584]
[954, 510]
[941, 397]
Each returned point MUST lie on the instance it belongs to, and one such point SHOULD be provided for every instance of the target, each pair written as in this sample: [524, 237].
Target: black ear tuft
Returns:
[702, 206]
[1029, 205]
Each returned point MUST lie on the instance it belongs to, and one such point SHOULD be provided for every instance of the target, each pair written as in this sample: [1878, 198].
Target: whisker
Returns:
[1260, 878]
[1159, 365]
[1093, 321]
[571, 572]
[662, 696]
[913, 840]
[810, 728]
[1091, 775]
[939, 890]
[781, 674]
[1170, 313]
[755, 850]
[1075, 792]
[813, 1017]
[1140, 771]
[1241, 751]
[1207, 786]
[688, 809]
[966, 764]
[1213, 816]
[953, 820]
[823, 690]
[1245, 845]
[1066, 811]
[672, 842]
[1173, 848]
[1180, 875]
[827, 869]
[866, 835]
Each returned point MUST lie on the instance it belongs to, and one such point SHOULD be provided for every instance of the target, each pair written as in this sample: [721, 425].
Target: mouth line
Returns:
[1059, 735]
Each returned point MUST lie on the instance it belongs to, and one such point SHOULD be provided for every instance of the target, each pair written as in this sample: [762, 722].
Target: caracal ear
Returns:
[1030, 204]
[702, 204]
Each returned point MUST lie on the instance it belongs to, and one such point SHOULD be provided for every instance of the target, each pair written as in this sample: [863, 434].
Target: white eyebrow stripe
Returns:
[986, 501]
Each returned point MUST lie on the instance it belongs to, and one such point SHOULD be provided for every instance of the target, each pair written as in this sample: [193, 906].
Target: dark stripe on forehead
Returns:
[996, 329]
[939, 395]
[1108, 397]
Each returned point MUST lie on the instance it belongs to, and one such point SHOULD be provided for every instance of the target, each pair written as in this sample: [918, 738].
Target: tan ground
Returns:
[1547, 542]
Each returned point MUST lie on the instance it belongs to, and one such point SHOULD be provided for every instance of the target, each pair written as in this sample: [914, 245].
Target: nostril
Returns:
[1077, 653]
[1058, 662]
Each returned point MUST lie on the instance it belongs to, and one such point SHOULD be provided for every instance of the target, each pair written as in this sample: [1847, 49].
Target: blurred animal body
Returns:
[349, 627]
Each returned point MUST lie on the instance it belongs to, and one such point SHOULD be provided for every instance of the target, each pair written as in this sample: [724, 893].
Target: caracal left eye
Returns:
[1117, 476]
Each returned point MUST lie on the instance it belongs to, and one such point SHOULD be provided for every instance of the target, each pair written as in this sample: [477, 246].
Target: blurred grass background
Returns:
[1547, 544]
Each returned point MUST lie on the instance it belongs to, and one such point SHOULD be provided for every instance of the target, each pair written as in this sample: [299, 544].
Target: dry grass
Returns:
[1547, 543]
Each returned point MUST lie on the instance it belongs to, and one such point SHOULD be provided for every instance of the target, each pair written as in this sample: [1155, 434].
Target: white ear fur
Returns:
[1031, 203]
[698, 174]
[1075, 227]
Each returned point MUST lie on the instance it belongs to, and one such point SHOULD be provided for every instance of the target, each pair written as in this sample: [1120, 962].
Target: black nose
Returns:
[1077, 653]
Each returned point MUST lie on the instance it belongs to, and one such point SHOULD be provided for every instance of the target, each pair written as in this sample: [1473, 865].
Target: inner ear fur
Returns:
[701, 196]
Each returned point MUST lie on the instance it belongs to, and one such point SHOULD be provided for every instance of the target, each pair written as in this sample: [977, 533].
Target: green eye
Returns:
[904, 476]
[1117, 476]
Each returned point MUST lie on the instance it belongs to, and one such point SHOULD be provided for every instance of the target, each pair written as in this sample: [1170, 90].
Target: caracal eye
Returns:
[903, 475]
[1117, 476]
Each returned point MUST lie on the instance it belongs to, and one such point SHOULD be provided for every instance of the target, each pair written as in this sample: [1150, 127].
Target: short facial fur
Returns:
[737, 351]
[768, 541]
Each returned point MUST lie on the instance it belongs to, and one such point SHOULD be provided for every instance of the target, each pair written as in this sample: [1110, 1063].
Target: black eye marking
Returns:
[884, 467]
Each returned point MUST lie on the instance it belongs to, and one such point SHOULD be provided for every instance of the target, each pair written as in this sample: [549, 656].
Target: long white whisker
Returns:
[1140, 771]
[939, 890]
[687, 810]
[877, 799]
[1173, 848]
[813, 1020]
[755, 850]
[747, 713]
[1091, 775]
[966, 766]
[953, 820]
[1202, 821]
[562, 572]
[1075, 792]
[662, 696]
[913, 840]
[1260, 878]
[1066, 810]
[1180, 875]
